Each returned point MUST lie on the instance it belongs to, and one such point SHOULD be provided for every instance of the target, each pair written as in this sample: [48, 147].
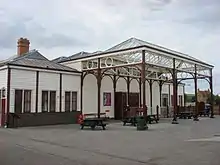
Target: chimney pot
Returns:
[23, 46]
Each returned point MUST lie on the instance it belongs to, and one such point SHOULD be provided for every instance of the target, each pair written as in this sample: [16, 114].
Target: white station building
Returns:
[37, 91]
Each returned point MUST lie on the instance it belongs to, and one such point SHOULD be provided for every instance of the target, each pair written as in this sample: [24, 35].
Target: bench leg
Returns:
[103, 127]
[82, 126]
[93, 127]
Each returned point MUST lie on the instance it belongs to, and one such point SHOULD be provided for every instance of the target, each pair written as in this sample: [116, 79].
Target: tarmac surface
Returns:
[188, 142]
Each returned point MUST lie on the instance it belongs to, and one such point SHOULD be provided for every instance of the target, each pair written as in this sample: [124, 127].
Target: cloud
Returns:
[61, 28]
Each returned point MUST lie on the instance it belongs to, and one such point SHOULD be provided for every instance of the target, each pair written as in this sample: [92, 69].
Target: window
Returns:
[27, 101]
[70, 101]
[44, 101]
[74, 101]
[180, 100]
[48, 101]
[22, 101]
[172, 100]
[164, 100]
[67, 101]
[3, 93]
[52, 101]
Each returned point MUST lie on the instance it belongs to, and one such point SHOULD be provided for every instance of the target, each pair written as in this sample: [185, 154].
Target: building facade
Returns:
[89, 93]
[203, 95]
[37, 91]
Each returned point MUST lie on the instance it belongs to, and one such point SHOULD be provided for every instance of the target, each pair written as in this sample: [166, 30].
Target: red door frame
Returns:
[3, 117]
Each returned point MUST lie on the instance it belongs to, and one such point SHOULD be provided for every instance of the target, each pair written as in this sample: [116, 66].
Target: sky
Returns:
[64, 27]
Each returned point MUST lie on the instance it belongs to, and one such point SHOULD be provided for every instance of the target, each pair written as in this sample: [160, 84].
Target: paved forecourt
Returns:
[163, 144]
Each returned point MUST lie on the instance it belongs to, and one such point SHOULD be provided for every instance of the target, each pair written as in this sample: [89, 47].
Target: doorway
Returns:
[2, 107]
[121, 103]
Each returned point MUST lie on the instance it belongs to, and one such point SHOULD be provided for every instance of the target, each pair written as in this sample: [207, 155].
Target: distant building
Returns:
[203, 96]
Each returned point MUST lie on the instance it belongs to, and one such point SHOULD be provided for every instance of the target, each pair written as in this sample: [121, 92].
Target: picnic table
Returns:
[93, 122]
[133, 120]
[152, 118]
[130, 115]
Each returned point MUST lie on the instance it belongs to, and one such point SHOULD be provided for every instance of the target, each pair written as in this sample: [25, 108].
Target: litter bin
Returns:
[15, 118]
[141, 123]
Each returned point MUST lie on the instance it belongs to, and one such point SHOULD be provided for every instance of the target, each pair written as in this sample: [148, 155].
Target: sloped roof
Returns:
[77, 55]
[35, 59]
[129, 44]
[59, 59]
[134, 42]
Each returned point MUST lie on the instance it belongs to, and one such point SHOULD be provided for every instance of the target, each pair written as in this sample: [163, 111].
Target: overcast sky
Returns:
[64, 27]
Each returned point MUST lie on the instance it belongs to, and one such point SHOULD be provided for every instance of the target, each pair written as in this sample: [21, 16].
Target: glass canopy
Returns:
[126, 57]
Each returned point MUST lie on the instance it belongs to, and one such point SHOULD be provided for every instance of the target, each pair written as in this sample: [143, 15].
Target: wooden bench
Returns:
[185, 115]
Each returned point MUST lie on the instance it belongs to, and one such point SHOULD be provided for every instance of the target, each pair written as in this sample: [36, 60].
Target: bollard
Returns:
[157, 108]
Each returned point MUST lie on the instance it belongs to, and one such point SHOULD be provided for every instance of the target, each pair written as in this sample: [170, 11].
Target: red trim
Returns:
[3, 117]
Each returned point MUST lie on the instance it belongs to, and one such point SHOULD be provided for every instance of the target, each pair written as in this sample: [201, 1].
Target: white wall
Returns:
[3, 78]
[26, 79]
[22, 79]
[121, 85]
[75, 65]
[107, 86]
[181, 92]
[147, 87]
[49, 82]
[134, 86]
[90, 94]
[155, 97]
[3, 84]
[71, 83]
[165, 90]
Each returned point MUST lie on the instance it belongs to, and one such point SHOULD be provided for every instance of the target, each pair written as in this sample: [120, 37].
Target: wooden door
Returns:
[120, 103]
[134, 99]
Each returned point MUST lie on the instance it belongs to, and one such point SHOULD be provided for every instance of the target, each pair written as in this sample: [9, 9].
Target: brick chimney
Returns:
[23, 46]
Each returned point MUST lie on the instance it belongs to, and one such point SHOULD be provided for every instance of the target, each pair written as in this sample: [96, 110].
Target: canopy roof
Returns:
[158, 59]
